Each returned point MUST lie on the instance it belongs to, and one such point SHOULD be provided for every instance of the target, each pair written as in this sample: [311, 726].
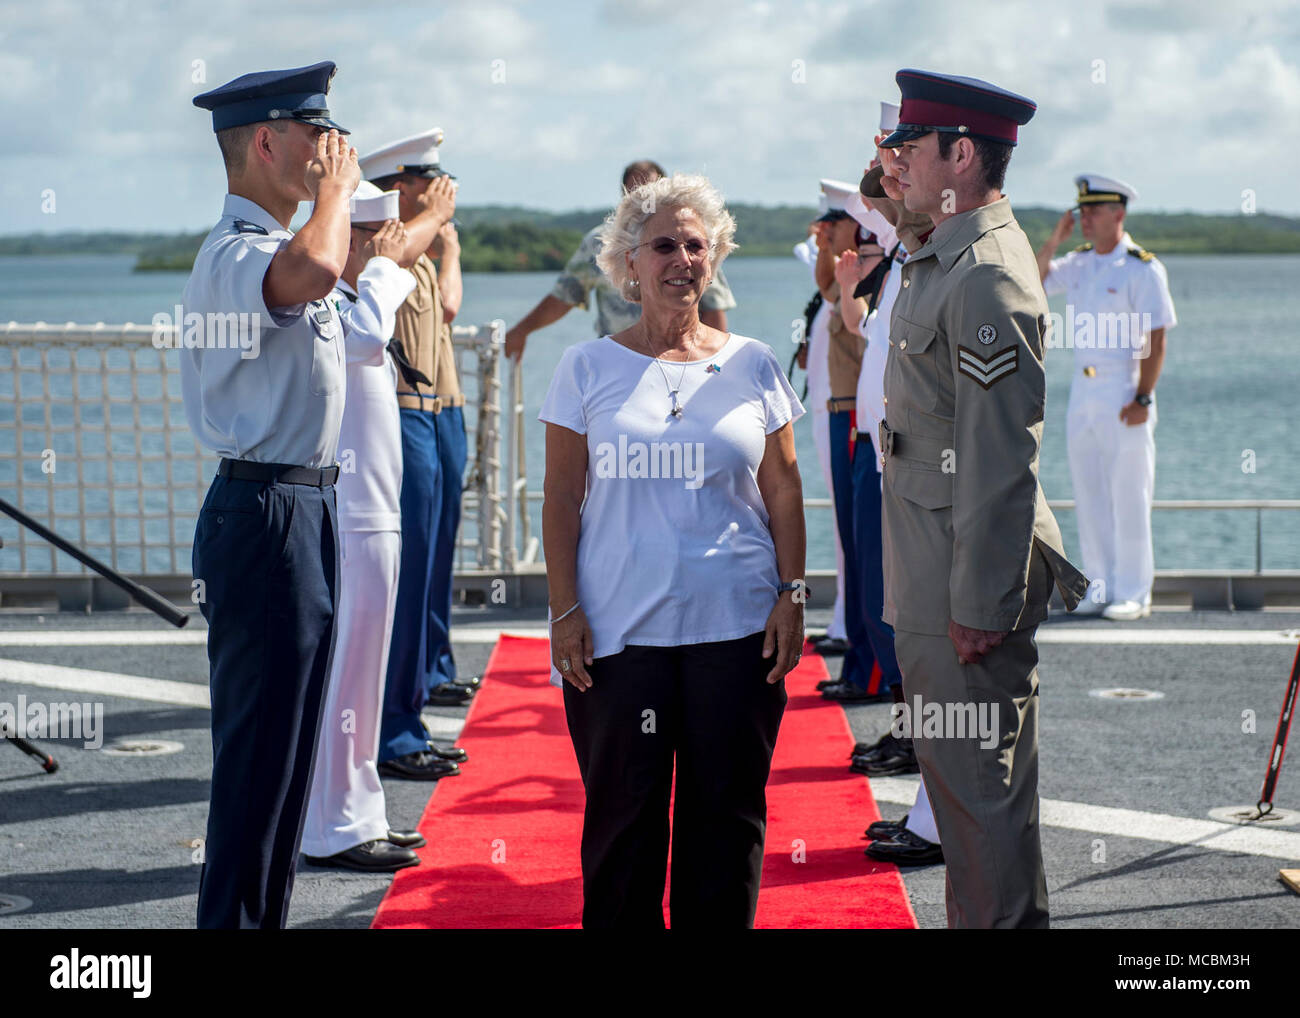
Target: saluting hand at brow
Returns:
[335, 162]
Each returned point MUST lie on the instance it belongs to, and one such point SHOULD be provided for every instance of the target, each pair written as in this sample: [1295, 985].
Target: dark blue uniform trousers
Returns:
[410, 656]
[267, 554]
[452, 453]
[859, 662]
[870, 554]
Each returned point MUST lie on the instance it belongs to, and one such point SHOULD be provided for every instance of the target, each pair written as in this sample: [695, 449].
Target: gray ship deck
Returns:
[1127, 785]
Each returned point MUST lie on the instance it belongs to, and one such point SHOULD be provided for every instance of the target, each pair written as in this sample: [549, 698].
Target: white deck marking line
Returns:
[1132, 823]
[443, 728]
[84, 680]
[139, 687]
[473, 635]
[104, 638]
[1173, 637]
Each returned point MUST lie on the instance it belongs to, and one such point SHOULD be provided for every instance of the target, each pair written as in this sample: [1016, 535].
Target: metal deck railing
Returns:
[94, 443]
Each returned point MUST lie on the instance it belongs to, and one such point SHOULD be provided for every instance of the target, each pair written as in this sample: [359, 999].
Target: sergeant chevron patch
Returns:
[987, 370]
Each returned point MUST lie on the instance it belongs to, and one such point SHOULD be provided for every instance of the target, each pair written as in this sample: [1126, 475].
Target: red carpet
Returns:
[504, 836]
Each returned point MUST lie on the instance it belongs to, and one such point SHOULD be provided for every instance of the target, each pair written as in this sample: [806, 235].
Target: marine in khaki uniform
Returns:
[971, 549]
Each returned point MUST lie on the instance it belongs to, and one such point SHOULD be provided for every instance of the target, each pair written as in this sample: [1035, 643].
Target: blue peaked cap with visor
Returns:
[294, 94]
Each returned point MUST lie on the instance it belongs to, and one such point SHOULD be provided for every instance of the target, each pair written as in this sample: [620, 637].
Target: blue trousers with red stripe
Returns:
[449, 427]
[859, 666]
[414, 623]
[869, 554]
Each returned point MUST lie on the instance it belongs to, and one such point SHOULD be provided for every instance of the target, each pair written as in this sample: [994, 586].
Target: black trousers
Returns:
[709, 707]
[267, 554]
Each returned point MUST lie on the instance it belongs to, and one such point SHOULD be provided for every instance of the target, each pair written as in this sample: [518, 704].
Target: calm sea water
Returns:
[1229, 383]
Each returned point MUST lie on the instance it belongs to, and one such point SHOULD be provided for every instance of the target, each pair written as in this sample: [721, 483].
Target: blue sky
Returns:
[1191, 105]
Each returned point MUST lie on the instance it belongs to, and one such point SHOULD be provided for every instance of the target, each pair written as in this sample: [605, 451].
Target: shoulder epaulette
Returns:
[1084, 247]
[1140, 254]
[244, 226]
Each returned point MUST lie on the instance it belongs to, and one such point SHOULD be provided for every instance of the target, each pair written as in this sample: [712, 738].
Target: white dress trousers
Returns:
[1113, 473]
[346, 807]
[1113, 301]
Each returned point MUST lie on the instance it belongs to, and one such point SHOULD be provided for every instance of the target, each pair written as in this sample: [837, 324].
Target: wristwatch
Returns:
[1143, 399]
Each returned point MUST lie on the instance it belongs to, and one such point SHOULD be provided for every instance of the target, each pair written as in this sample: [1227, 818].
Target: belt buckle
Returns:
[1089, 371]
[886, 440]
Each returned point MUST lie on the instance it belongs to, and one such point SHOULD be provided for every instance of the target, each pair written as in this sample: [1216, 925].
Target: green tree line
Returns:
[500, 238]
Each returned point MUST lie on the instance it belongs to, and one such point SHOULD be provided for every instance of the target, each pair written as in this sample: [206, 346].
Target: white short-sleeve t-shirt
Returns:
[674, 546]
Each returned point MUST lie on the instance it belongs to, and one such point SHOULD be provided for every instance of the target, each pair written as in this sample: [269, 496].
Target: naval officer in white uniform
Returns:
[347, 822]
[266, 542]
[1118, 311]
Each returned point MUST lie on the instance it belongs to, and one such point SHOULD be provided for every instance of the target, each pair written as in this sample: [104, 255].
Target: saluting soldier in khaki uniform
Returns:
[971, 548]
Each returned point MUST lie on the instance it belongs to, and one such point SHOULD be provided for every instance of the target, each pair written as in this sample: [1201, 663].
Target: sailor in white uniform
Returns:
[1118, 310]
[347, 824]
[268, 399]
[814, 362]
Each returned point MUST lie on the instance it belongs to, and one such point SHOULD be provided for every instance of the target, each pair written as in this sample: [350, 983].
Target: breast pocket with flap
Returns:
[918, 367]
[327, 349]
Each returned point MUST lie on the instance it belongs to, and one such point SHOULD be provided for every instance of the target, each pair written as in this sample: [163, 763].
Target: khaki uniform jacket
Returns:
[447, 382]
[967, 532]
[843, 355]
[418, 331]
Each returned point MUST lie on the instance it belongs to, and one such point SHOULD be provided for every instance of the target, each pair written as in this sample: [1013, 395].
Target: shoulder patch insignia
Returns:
[244, 226]
[1140, 254]
[987, 370]
[986, 334]
[1084, 247]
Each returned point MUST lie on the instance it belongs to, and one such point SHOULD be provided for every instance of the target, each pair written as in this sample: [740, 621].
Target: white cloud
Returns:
[1198, 101]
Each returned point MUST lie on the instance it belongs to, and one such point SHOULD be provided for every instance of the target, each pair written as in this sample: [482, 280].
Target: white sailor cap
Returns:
[416, 155]
[889, 115]
[1094, 189]
[823, 206]
[368, 204]
[371, 205]
[836, 193]
[871, 221]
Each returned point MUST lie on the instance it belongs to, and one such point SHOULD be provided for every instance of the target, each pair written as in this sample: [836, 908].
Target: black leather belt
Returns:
[284, 473]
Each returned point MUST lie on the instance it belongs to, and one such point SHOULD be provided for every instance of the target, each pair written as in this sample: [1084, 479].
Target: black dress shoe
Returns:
[453, 753]
[872, 748]
[407, 839]
[881, 829]
[847, 692]
[830, 646]
[418, 767]
[899, 759]
[450, 695]
[473, 682]
[372, 857]
[905, 849]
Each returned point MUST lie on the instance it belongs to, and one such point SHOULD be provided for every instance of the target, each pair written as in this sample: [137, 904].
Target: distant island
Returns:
[505, 238]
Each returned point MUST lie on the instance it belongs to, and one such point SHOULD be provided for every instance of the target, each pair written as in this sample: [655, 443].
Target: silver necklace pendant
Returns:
[676, 411]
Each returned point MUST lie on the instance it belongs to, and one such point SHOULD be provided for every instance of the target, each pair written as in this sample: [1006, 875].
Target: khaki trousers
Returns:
[985, 800]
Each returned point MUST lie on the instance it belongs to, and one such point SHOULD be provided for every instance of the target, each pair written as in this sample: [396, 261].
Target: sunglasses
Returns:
[667, 245]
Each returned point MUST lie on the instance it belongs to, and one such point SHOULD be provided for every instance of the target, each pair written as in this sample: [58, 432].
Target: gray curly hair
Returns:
[622, 229]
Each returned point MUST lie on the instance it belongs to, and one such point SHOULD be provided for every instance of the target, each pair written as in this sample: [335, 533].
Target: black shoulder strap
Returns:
[874, 282]
[413, 377]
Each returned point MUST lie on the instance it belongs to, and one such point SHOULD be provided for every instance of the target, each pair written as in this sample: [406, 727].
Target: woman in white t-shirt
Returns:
[674, 536]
